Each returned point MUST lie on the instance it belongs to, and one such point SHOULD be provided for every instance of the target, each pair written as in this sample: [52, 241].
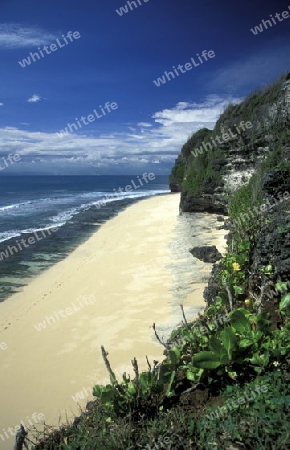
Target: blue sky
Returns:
[116, 59]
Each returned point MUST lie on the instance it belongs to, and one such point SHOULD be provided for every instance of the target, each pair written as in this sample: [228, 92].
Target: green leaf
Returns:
[260, 360]
[97, 391]
[263, 324]
[174, 355]
[268, 269]
[191, 376]
[216, 346]
[165, 371]
[281, 286]
[169, 391]
[108, 395]
[131, 387]
[145, 381]
[206, 360]
[229, 340]
[238, 290]
[244, 343]
[224, 359]
[240, 322]
[285, 301]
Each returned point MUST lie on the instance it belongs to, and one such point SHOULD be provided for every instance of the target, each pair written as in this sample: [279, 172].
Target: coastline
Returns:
[106, 298]
[58, 225]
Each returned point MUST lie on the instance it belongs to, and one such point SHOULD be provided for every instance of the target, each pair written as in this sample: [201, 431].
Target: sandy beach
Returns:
[135, 270]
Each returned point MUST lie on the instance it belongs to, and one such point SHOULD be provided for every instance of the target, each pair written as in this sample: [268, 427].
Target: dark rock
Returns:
[275, 182]
[196, 398]
[220, 218]
[76, 421]
[91, 405]
[208, 254]
[222, 227]
[226, 226]
[202, 203]
[273, 247]
[213, 287]
[174, 187]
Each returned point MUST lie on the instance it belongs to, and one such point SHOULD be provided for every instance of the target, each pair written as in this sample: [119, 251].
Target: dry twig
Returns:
[20, 439]
[108, 366]
[184, 318]
[158, 338]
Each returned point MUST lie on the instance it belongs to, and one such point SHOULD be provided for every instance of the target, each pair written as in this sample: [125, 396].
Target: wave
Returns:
[103, 200]
[63, 217]
[6, 235]
[122, 196]
[44, 203]
[15, 205]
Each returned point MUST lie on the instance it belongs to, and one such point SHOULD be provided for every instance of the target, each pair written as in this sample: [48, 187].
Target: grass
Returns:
[261, 424]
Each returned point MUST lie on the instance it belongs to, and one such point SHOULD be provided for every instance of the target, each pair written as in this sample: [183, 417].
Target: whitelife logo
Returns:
[63, 313]
[267, 23]
[125, 10]
[129, 188]
[221, 139]
[205, 56]
[9, 161]
[255, 210]
[237, 402]
[37, 417]
[53, 47]
[83, 394]
[24, 243]
[71, 127]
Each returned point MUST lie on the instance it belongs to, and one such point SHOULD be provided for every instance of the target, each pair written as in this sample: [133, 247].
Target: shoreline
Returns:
[44, 370]
[57, 242]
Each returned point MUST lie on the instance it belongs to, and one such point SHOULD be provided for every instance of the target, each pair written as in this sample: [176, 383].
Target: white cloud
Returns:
[35, 98]
[13, 35]
[144, 124]
[1, 104]
[206, 112]
[159, 144]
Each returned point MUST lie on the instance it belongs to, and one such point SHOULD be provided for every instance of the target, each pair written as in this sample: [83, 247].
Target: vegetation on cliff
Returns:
[211, 160]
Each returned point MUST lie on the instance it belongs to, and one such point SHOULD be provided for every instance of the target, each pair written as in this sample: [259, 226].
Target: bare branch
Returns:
[149, 365]
[20, 438]
[184, 318]
[158, 338]
[108, 366]
[136, 371]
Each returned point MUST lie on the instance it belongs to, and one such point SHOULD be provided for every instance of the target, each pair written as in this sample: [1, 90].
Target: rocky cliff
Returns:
[247, 137]
[242, 169]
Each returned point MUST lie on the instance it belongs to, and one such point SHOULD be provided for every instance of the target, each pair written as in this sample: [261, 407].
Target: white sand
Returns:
[42, 370]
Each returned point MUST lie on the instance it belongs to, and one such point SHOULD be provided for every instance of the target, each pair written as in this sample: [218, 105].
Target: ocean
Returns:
[44, 218]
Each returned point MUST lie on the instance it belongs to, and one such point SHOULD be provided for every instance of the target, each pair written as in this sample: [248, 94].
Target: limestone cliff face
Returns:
[214, 164]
